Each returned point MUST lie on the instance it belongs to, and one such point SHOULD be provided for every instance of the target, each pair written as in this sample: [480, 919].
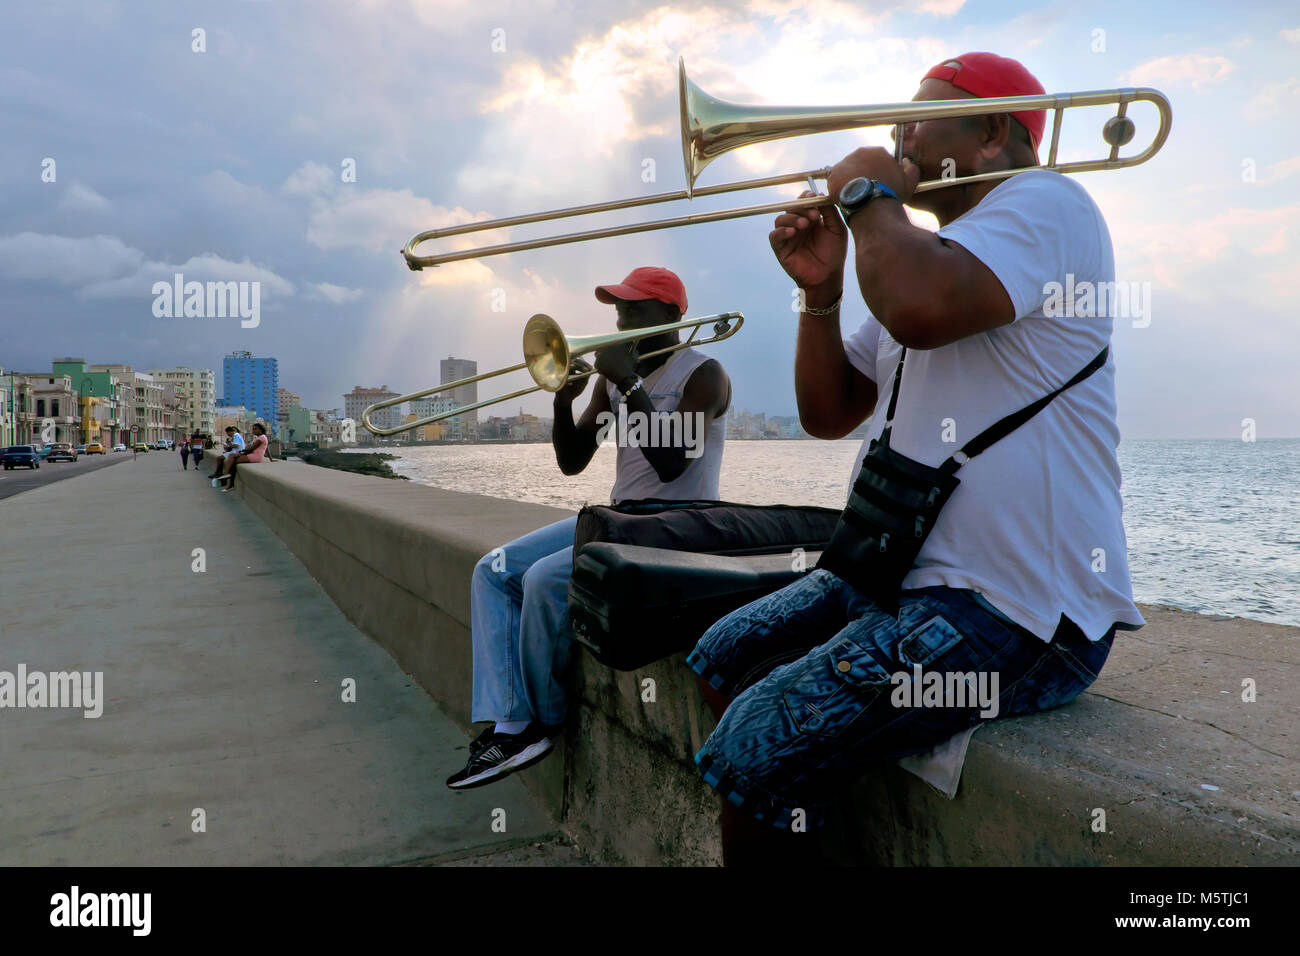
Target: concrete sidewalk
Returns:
[222, 692]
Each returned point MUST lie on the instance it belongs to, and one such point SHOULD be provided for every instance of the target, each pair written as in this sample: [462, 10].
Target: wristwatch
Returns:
[632, 383]
[859, 192]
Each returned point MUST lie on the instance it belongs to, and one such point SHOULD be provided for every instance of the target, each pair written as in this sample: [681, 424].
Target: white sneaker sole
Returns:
[529, 755]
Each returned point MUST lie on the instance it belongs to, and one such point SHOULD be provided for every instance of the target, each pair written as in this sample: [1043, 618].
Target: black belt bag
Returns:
[895, 501]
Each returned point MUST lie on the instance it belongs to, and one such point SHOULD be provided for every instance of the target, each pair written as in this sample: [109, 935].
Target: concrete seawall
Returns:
[1162, 751]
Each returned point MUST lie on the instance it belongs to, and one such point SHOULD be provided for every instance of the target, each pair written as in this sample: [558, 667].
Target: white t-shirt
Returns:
[1036, 525]
[634, 477]
[236, 444]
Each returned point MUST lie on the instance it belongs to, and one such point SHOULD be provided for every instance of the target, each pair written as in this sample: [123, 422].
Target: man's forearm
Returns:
[668, 461]
[822, 374]
[567, 439]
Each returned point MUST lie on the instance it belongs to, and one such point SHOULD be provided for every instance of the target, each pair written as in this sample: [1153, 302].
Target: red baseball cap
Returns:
[988, 75]
[647, 282]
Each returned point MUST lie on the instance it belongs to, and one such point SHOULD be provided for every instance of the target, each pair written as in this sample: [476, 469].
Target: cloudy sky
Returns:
[229, 163]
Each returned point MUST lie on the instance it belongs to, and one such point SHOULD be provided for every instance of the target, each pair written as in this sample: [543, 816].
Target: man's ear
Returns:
[994, 133]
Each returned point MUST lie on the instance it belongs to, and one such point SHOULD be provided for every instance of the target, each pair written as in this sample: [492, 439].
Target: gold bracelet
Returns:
[834, 306]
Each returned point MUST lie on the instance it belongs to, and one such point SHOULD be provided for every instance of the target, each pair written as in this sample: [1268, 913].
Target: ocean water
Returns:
[1213, 525]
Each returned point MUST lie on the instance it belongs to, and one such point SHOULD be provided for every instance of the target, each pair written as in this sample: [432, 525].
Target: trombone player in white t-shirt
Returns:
[1022, 580]
[519, 592]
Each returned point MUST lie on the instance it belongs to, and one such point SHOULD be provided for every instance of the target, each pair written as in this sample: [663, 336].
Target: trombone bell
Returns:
[546, 352]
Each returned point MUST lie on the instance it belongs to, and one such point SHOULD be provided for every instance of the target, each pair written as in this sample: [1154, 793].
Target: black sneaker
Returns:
[480, 743]
[494, 755]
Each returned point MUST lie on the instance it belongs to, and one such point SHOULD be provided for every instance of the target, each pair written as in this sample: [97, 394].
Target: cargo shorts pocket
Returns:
[833, 688]
[925, 644]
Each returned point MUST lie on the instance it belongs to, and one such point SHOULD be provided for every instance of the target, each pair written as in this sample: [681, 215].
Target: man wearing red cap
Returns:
[519, 593]
[1023, 577]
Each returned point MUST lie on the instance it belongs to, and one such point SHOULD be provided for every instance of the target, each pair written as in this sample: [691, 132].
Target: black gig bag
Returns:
[630, 605]
[895, 501]
[650, 576]
[705, 527]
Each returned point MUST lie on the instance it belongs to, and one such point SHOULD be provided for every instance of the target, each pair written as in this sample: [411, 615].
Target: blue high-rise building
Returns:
[253, 383]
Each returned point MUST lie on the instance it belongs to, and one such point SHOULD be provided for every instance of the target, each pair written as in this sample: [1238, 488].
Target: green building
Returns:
[98, 395]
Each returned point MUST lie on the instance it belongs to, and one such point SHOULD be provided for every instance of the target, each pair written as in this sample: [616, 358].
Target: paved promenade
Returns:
[222, 692]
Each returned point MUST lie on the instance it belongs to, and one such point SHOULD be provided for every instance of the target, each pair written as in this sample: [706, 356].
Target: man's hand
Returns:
[878, 164]
[573, 388]
[617, 362]
[811, 246]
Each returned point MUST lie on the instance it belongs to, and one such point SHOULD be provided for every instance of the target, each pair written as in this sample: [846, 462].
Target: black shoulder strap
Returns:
[1003, 428]
[893, 400]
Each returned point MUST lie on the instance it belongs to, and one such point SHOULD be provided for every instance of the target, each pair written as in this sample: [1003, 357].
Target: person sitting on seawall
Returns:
[1007, 585]
[256, 452]
[519, 592]
[234, 446]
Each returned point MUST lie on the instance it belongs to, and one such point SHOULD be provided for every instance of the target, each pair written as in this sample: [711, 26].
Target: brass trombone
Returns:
[547, 354]
[711, 127]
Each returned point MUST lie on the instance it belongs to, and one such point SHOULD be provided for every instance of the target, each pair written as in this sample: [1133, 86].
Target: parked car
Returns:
[81, 449]
[25, 455]
[141, 446]
[61, 451]
[119, 447]
[94, 448]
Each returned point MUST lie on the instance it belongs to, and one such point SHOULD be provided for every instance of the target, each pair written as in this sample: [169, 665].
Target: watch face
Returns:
[854, 191]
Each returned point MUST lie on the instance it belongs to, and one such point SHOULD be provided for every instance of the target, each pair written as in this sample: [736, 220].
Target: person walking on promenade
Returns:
[185, 455]
[519, 592]
[255, 453]
[1023, 579]
[196, 449]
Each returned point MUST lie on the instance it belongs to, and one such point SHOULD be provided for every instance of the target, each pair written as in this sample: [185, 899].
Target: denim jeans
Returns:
[519, 606]
[822, 685]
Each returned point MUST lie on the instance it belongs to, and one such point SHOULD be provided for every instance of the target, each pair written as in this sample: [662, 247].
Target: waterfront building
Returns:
[449, 429]
[313, 425]
[18, 425]
[99, 398]
[451, 370]
[54, 399]
[285, 400]
[786, 426]
[236, 415]
[151, 414]
[521, 427]
[746, 424]
[297, 423]
[417, 434]
[195, 397]
[121, 398]
[524, 427]
[359, 399]
[7, 419]
[253, 383]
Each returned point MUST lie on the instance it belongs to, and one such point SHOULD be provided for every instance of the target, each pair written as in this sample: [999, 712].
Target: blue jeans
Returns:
[519, 606]
[823, 685]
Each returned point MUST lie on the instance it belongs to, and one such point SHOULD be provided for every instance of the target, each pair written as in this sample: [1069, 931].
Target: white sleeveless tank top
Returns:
[635, 477]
